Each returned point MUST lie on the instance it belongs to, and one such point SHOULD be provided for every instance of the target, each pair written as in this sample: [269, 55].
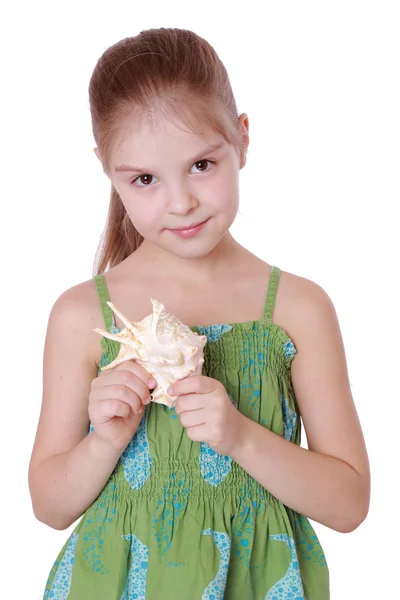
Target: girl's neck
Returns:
[149, 260]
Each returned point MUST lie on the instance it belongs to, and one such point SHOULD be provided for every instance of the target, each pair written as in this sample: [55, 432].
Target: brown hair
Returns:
[172, 72]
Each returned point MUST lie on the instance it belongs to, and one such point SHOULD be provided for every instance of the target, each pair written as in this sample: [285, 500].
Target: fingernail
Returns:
[169, 390]
[152, 382]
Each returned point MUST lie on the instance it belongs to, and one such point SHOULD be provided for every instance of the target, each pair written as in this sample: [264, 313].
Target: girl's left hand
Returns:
[208, 414]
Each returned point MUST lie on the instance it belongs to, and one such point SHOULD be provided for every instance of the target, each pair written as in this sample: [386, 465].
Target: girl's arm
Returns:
[64, 486]
[68, 467]
[329, 482]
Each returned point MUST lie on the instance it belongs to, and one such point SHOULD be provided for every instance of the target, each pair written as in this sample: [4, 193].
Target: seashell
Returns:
[163, 345]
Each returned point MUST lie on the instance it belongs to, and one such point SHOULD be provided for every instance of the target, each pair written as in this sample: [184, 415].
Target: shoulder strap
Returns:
[271, 294]
[104, 298]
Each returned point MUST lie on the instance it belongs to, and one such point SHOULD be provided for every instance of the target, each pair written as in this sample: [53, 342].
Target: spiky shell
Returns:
[167, 348]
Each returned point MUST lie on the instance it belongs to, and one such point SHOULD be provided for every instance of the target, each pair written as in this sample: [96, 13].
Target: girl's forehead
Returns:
[167, 138]
[195, 120]
[164, 129]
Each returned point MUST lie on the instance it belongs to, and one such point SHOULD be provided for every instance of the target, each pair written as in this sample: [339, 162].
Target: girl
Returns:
[211, 499]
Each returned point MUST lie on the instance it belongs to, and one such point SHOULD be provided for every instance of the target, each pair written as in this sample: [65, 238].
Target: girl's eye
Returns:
[145, 178]
[141, 178]
[205, 160]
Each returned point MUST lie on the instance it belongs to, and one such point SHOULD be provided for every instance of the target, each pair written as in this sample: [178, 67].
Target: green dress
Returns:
[178, 521]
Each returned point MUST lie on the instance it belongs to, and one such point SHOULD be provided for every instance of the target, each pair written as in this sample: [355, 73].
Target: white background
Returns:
[320, 84]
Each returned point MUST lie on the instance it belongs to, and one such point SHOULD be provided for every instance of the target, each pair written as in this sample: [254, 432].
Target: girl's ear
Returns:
[97, 153]
[244, 126]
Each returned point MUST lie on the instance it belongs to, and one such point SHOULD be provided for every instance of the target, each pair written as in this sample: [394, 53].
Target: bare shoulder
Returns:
[292, 291]
[78, 309]
[81, 306]
[300, 299]
[78, 298]
[313, 325]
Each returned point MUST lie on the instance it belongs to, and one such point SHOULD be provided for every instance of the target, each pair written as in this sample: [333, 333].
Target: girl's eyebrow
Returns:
[212, 148]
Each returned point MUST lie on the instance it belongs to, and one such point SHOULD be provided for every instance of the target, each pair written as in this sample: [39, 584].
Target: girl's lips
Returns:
[189, 232]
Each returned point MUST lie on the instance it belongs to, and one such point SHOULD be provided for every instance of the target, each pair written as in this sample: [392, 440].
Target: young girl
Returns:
[211, 499]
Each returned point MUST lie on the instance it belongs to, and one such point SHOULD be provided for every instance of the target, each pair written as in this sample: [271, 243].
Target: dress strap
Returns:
[104, 298]
[271, 294]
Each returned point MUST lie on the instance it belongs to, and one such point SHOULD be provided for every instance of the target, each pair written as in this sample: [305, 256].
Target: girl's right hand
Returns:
[117, 401]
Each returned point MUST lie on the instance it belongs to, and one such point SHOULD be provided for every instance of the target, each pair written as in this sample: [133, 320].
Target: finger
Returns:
[121, 385]
[189, 402]
[121, 410]
[133, 367]
[191, 418]
[138, 370]
[131, 397]
[198, 433]
[130, 380]
[199, 384]
[118, 393]
[107, 409]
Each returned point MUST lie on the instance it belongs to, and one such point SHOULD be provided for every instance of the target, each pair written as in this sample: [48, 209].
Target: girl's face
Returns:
[170, 178]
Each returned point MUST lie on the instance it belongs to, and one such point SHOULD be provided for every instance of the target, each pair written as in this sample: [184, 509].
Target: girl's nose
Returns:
[181, 200]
